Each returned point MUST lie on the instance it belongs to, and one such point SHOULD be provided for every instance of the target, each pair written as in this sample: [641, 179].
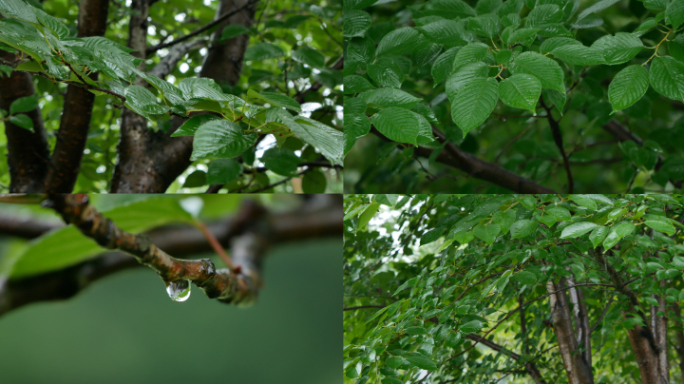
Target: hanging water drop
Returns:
[178, 290]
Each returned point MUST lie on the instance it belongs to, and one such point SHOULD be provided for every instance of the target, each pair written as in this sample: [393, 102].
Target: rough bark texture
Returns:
[28, 154]
[661, 337]
[78, 106]
[576, 368]
[582, 328]
[150, 161]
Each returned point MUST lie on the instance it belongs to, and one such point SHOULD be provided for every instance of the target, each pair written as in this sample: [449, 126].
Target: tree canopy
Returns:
[531, 288]
[150, 96]
[528, 96]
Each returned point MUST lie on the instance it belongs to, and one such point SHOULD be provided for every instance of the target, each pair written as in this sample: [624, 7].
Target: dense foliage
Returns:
[537, 289]
[573, 95]
[268, 121]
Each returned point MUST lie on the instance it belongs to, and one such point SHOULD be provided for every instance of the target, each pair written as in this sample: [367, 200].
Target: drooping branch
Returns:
[319, 216]
[530, 367]
[455, 157]
[169, 62]
[78, 106]
[28, 154]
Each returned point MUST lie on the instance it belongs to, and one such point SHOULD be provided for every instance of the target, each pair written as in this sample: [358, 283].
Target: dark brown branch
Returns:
[27, 228]
[530, 367]
[208, 26]
[558, 139]
[455, 157]
[28, 155]
[78, 105]
[319, 216]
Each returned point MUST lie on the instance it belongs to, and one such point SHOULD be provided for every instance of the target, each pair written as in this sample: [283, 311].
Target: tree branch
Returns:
[319, 216]
[169, 62]
[317, 85]
[558, 139]
[78, 106]
[455, 157]
[196, 32]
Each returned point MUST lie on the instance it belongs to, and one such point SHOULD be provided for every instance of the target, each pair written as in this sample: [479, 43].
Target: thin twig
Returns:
[196, 32]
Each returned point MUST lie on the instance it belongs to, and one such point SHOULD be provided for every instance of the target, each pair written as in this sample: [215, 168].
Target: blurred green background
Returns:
[125, 329]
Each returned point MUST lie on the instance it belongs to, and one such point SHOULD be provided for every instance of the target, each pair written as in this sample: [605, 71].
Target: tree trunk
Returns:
[78, 107]
[576, 368]
[27, 150]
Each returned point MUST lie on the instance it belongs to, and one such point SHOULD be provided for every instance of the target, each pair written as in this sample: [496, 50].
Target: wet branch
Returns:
[222, 284]
[318, 216]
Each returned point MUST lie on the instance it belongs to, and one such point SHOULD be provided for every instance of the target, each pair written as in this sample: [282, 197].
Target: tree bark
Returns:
[78, 106]
[575, 366]
[582, 327]
[679, 333]
[28, 154]
[150, 161]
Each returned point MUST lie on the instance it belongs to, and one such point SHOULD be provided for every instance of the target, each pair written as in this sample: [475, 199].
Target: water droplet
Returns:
[178, 290]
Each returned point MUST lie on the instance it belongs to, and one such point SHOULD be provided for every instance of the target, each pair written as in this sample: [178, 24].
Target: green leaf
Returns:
[667, 77]
[598, 235]
[360, 50]
[386, 73]
[233, 30]
[310, 57]
[674, 14]
[22, 121]
[520, 91]
[618, 49]
[221, 171]
[397, 124]
[471, 53]
[221, 139]
[416, 331]
[596, 7]
[504, 219]
[471, 326]
[446, 32]
[676, 47]
[525, 277]
[560, 213]
[57, 27]
[276, 99]
[546, 70]
[474, 102]
[628, 86]
[576, 230]
[394, 362]
[314, 182]
[24, 104]
[523, 228]
[190, 126]
[68, 246]
[391, 380]
[584, 201]
[399, 41]
[356, 22]
[543, 15]
[444, 65]
[389, 97]
[195, 179]
[578, 54]
[420, 361]
[263, 51]
[355, 126]
[448, 9]
[485, 25]
[19, 10]
[661, 226]
[170, 92]
[327, 140]
[487, 233]
[367, 215]
[282, 161]
[143, 102]
[356, 84]
[519, 34]
[203, 88]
